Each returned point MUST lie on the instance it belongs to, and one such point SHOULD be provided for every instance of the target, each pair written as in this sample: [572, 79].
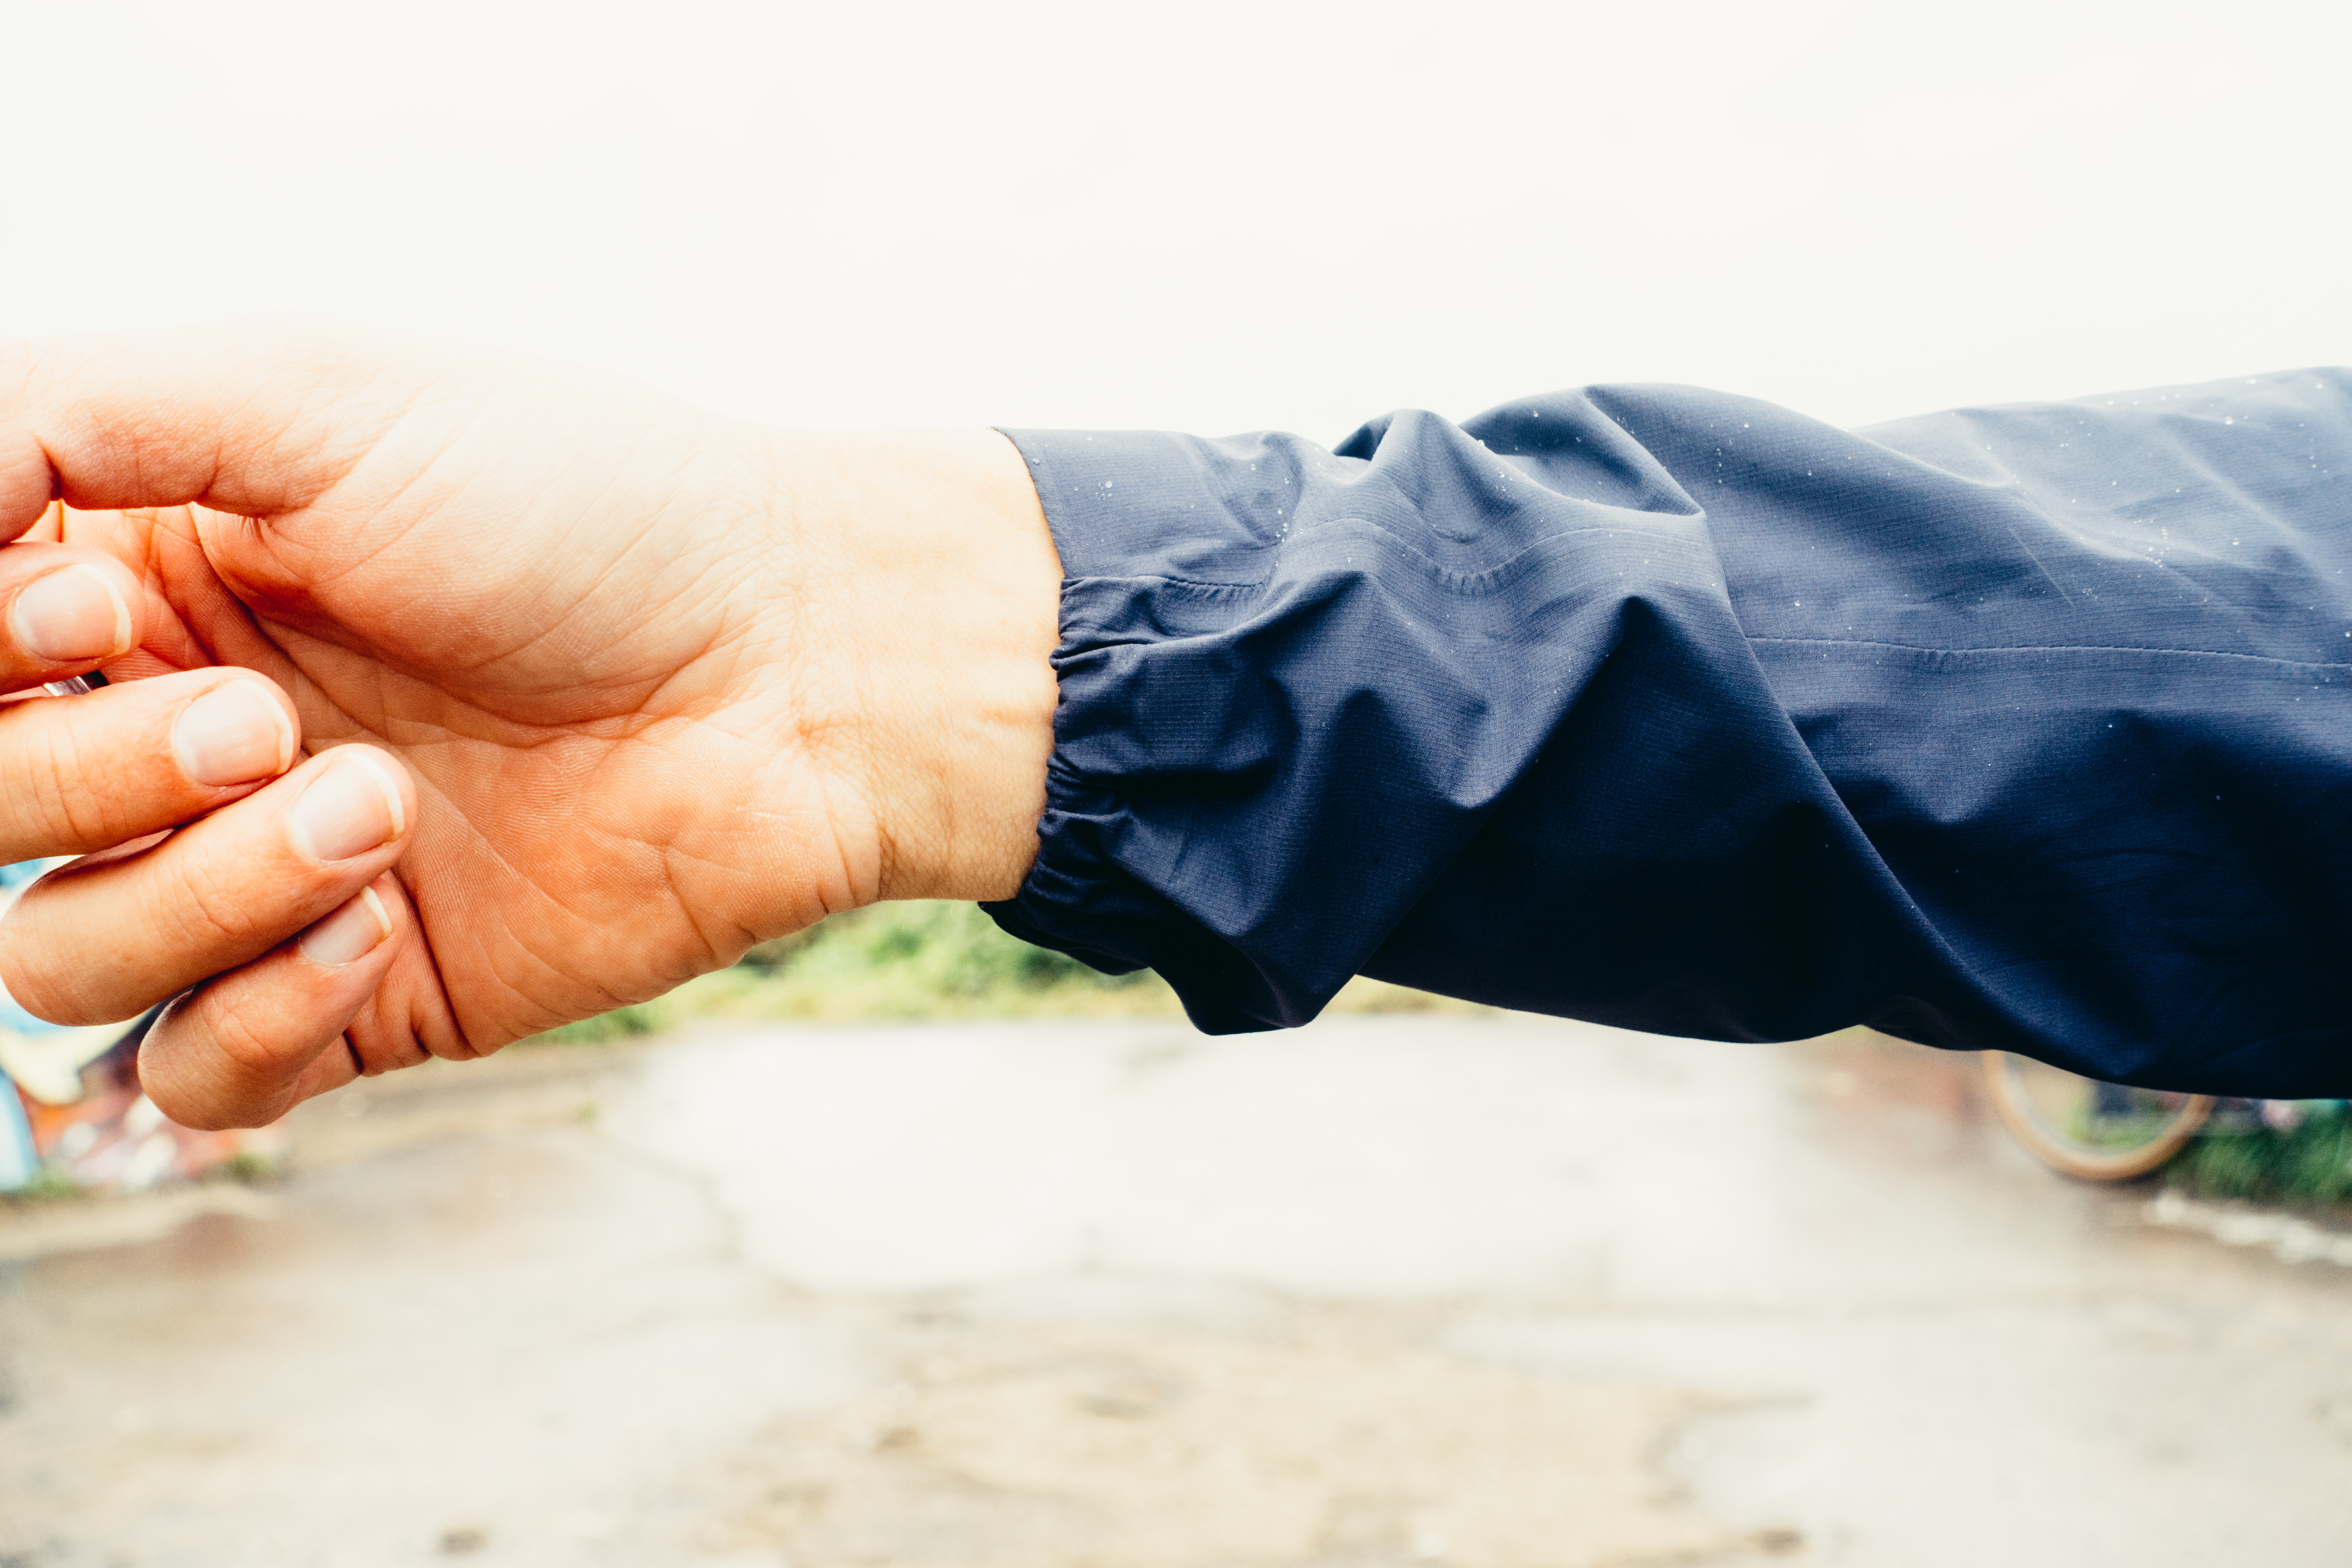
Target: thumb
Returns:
[256, 418]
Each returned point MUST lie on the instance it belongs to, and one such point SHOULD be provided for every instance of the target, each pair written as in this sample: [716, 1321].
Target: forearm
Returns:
[1679, 711]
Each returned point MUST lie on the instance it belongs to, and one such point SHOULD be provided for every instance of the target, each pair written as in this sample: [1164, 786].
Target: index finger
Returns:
[258, 419]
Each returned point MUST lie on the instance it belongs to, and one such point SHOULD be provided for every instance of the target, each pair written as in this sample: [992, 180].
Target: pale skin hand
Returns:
[632, 688]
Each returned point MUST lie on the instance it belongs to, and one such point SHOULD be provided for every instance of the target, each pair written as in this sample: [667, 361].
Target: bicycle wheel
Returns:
[2097, 1131]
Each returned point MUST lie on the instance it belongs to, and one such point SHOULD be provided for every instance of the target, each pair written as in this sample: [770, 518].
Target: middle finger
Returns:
[107, 936]
[84, 774]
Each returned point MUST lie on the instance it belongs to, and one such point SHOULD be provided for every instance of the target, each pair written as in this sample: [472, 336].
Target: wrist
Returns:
[928, 592]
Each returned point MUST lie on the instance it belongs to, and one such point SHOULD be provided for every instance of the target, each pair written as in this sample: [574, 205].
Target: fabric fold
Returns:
[2022, 727]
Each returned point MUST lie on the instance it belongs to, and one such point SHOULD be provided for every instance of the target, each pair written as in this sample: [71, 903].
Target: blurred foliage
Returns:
[923, 960]
[2243, 1156]
[620, 1023]
[47, 1184]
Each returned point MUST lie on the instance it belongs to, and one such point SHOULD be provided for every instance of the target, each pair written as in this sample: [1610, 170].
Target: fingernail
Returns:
[232, 734]
[74, 613]
[351, 932]
[347, 810]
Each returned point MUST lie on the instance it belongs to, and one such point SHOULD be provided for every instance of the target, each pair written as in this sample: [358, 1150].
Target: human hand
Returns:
[599, 690]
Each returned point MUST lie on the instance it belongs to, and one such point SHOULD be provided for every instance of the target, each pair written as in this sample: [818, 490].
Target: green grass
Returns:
[923, 960]
[2310, 1163]
[47, 1185]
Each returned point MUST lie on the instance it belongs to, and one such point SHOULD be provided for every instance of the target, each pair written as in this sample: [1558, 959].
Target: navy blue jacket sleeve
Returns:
[2026, 726]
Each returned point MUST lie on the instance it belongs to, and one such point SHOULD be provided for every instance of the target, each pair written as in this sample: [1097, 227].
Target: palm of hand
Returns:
[566, 631]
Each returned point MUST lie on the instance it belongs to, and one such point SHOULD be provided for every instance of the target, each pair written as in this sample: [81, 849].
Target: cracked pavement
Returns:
[1491, 1292]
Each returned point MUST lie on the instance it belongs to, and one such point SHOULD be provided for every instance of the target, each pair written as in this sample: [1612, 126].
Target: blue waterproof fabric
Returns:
[2027, 726]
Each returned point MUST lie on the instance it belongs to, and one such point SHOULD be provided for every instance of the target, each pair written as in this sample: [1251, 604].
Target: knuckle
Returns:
[71, 811]
[36, 762]
[163, 1075]
[379, 1041]
[247, 1041]
[214, 907]
[27, 973]
[207, 1065]
[379, 1051]
[174, 1095]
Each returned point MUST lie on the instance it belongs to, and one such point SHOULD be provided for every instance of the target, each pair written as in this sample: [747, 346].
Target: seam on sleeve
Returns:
[2061, 648]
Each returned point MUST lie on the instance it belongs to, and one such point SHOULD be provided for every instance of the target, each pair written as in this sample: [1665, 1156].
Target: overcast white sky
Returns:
[1210, 217]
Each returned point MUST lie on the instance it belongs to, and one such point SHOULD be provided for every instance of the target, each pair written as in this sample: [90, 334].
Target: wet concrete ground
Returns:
[1490, 1293]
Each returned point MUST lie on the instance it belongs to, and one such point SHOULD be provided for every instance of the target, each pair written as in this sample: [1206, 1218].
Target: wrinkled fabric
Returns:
[2026, 726]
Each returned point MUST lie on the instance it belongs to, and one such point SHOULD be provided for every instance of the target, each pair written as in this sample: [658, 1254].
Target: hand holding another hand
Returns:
[454, 699]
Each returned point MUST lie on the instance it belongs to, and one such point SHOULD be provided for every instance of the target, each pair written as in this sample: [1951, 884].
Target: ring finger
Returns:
[244, 1048]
